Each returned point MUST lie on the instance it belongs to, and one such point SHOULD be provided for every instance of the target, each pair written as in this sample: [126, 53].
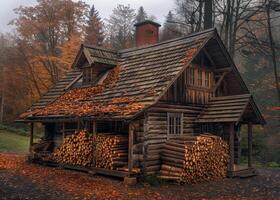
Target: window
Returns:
[175, 123]
[199, 80]
[87, 75]
[207, 79]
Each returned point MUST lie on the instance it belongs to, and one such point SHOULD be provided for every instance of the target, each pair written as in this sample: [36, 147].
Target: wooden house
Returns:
[151, 93]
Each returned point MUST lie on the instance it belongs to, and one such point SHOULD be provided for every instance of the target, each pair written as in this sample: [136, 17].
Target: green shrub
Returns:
[20, 131]
[273, 164]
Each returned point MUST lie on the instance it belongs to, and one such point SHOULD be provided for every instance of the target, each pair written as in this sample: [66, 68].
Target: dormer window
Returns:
[95, 74]
[88, 75]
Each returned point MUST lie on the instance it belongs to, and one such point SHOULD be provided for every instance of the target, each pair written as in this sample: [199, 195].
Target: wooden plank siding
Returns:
[189, 88]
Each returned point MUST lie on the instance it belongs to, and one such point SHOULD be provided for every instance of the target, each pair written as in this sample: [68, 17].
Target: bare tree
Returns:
[258, 36]
[2, 76]
[269, 6]
[230, 16]
[189, 15]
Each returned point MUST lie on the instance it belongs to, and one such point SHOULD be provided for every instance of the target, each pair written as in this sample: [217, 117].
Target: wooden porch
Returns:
[127, 172]
[237, 170]
[230, 113]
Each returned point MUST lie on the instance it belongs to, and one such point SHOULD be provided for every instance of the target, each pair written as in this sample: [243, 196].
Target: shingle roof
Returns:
[57, 90]
[228, 109]
[146, 73]
[100, 55]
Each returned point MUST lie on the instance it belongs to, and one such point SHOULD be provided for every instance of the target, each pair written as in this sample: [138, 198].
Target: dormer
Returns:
[95, 74]
[95, 63]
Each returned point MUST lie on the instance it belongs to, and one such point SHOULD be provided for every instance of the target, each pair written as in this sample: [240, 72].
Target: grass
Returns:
[12, 142]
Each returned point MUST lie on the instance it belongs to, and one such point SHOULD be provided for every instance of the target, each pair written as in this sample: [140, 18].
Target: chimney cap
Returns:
[147, 22]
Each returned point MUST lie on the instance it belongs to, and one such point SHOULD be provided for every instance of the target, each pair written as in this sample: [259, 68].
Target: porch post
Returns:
[130, 147]
[63, 131]
[250, 137]
[94, 127]
[231, 147]
[94, 133]
[31, 136]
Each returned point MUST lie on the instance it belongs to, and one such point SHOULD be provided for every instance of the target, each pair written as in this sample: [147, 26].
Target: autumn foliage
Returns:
[189, 55]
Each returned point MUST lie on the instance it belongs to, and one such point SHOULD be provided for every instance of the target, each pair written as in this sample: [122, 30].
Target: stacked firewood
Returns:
[76, 149]
[111, 151]
[194, 159]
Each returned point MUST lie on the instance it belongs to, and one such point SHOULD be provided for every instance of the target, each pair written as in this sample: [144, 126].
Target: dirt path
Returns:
[20, 180]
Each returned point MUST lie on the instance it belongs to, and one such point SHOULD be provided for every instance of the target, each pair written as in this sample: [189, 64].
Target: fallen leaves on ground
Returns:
[54, 182]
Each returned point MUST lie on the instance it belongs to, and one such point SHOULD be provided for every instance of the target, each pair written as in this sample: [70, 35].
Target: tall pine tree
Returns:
[120, 27]
[94, 29]
[141, 15]
[170, 29]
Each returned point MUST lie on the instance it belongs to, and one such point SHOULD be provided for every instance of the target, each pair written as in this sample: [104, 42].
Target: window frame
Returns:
[173, 127]
[87, 75]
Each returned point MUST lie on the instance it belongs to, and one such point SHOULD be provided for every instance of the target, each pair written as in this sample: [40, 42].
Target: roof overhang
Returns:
[231, 109]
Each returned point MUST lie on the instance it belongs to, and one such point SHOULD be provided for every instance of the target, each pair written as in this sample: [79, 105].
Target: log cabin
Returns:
[153, 92]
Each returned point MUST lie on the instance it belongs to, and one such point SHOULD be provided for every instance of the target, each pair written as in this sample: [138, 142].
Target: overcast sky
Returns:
[158, 8]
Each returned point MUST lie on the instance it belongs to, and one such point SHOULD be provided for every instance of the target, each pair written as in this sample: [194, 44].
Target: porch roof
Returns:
[234, 109]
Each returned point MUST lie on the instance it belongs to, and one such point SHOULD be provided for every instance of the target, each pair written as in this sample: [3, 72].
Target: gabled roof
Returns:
[144, 75]
[100, 55]
[230, 109]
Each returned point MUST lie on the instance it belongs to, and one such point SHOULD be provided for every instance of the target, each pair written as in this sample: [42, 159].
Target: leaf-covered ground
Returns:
[20, 180]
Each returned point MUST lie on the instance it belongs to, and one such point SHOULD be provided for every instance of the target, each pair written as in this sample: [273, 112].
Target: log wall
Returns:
[156, 132]
[138, 142]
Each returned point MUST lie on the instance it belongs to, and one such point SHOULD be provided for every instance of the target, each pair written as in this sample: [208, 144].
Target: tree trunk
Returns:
[198, 27]
[208, 18]
[273, 54]
[227, 24]
[2, 98]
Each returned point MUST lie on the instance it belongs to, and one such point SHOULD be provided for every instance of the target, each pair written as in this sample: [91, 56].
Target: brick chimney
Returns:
[147, 32]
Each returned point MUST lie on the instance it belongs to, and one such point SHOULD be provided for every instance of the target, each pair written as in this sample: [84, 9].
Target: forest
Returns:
[47, 36]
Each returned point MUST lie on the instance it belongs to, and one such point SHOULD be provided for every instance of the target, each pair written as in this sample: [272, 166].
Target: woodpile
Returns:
[111, 151]
[103, 151]
[76, 149]
[194, 159]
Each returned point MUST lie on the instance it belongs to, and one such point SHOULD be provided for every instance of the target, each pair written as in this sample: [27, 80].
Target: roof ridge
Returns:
[168, 41]
[151, 45]
[99, 48]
